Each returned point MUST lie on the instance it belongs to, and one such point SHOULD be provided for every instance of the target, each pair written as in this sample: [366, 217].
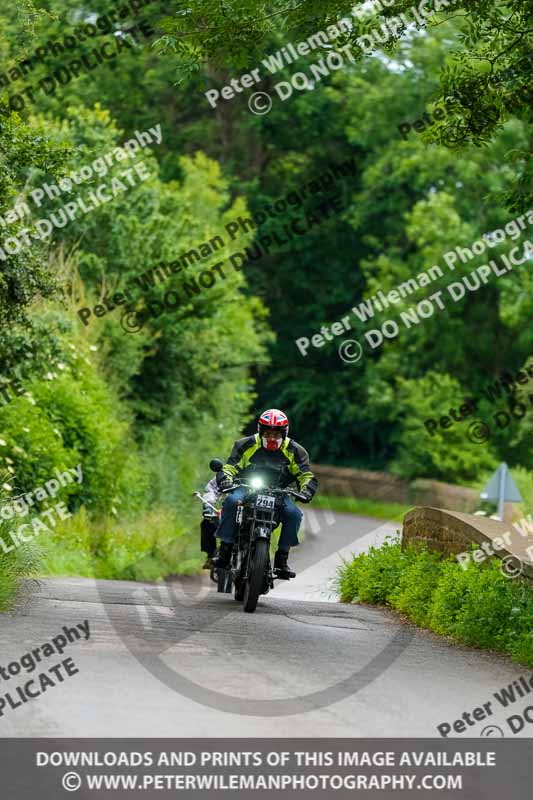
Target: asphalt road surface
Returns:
[180, 660]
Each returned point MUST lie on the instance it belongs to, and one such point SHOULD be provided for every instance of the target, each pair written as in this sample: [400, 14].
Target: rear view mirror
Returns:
[215, 465]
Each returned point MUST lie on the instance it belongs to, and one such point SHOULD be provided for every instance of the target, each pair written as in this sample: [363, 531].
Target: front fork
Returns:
[241, 554]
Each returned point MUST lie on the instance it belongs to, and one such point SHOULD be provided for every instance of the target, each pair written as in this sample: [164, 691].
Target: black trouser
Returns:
[208, 539]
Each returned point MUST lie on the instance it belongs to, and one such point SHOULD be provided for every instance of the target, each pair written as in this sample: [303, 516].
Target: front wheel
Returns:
[256, 582]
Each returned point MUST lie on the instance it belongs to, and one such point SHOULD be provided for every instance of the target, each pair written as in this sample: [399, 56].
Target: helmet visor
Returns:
[272, 433]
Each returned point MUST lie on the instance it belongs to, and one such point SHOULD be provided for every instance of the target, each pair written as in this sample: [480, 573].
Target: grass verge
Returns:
[149, 547]
[476, 606]
[15, 564]
[364, 508]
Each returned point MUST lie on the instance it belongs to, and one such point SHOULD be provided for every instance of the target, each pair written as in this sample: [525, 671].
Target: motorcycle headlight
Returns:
[256, 483]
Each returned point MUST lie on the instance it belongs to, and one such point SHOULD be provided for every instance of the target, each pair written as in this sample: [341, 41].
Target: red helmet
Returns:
[273, 420]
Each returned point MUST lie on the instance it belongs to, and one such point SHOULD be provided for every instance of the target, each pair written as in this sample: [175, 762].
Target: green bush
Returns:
[524, 481]
[481, 613]
[148, 547]
[477, 606]
[14, 566]
[372, 576]
[30, 448]
[448, 598]
[66, 418]
[416, 584]
[519, 642]
[16, 563]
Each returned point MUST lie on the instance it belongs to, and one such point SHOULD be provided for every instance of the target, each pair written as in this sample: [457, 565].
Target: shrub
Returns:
[16, 563]
[372, 576]
[66, 418]
[478, 606]
[14, 566]
[147, 547]
[486, 608]
[416, 584]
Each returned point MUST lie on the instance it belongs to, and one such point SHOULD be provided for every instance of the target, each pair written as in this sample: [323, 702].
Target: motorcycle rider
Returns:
[270, 447]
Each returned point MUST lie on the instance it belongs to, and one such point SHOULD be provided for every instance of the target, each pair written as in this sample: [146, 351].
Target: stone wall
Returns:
[452, 532]
[443, 495]
[380, 486]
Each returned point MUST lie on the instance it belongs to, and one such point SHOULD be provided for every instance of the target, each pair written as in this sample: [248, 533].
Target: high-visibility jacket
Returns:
[291, 461]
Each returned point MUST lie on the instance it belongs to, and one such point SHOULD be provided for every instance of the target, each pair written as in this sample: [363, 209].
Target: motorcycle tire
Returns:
[256, 583]
[225, 581]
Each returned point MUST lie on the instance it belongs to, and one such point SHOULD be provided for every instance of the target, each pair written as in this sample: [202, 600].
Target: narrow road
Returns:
[178, 659]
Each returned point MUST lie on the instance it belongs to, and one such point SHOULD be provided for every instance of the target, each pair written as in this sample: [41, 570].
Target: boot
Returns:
[222, 560]
[284, 572]
[209, 560]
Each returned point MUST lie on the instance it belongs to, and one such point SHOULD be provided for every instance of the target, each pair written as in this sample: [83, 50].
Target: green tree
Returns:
[495, 39]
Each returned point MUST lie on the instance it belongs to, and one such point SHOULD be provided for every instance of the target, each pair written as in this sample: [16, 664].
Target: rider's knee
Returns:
[294, 513]
[231, 502]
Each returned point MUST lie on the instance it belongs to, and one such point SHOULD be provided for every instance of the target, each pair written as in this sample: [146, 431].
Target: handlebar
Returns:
[274, 490]
[299, 496]
[205, 502]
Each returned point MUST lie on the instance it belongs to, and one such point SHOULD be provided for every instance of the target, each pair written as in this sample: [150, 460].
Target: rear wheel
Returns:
[256, 583]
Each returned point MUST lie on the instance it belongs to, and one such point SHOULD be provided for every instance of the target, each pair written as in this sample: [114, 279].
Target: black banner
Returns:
[262, 768]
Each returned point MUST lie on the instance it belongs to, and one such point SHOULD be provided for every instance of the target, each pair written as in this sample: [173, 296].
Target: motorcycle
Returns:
[250, 570]
[221, 577]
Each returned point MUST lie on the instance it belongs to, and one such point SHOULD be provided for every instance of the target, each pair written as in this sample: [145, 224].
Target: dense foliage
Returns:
[487, 79]
[144, 412]
[479, 605]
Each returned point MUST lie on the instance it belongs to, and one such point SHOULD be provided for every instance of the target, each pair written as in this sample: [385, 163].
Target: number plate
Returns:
[265, 501]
